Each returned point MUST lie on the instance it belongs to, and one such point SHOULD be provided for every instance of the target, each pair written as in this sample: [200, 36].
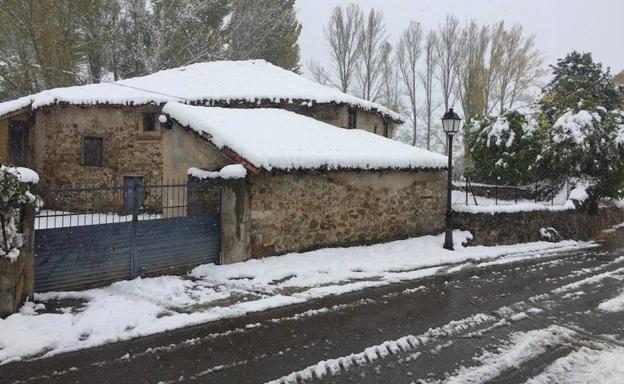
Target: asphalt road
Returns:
[427, 331]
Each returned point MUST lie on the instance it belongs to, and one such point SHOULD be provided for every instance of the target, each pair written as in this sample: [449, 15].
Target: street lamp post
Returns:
[450, 124]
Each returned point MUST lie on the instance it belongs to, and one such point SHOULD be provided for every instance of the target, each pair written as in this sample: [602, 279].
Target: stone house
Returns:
[305, 184]
[108, 133]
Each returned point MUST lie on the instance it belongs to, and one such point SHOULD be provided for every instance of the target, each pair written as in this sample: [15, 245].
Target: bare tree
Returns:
[390, 92]
[372, 40]
[408, 55]
[448, 52]
[521, 64]
[493, 67]
[343, 34]
[318, 72]
[472, 70]
[426, 77]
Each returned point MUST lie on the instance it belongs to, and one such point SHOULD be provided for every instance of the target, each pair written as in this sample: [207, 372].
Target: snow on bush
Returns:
[575, 126]
[14, 195]
[504, 149]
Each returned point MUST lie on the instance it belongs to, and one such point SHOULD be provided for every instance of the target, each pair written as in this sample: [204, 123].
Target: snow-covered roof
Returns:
[217, 81]
[270, 138]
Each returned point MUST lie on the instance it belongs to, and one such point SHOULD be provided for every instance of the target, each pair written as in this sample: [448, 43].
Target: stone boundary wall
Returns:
[17, 278]
[520, 227]
[299, 212]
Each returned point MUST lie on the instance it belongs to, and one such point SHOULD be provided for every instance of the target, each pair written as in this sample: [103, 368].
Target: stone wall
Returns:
[520, 227]
[128, 150]
[17, 278]
[297, 212]
[334, 114]
[4, 141]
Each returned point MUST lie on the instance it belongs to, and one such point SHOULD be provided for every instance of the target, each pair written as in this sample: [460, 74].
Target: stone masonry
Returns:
[521, 227]
[297, 212]
[128, 150]
[17, 278]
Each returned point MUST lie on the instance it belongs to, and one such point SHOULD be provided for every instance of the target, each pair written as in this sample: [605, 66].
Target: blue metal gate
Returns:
[92, 236]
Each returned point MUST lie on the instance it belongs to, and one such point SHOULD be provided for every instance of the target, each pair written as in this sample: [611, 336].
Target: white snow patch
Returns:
[233, 171]
[523, 347]
[275, 138]
[585, 366]
[574, 125]
[615, 304]
[25, 175]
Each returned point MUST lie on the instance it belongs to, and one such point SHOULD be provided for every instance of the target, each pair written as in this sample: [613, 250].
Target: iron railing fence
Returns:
[510, 192]
[102, 204]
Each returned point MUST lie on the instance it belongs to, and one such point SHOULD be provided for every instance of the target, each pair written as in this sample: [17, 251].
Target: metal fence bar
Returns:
[101, 204]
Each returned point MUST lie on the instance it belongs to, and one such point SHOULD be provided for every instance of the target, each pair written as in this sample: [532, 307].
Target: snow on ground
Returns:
[66, 321]
[615, 304]
[523, 347]
[489, 205]
[585, 366]
[614, 228]
[591, 363]
[381, 351]
[265, 137]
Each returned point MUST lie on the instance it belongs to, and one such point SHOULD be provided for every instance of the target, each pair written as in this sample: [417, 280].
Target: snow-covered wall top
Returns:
[217, 81]
[233, 171]
[280, 139]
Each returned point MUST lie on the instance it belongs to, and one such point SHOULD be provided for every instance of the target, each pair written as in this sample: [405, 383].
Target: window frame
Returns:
[352, 118]
[149, 116]
[83, 150]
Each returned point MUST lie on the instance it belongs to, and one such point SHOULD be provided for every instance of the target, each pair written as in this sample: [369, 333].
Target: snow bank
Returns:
[234, 171]
[205, 83]
[600, 364]
[274, 138]
[140, 307]
[523, 347]
[513, 208]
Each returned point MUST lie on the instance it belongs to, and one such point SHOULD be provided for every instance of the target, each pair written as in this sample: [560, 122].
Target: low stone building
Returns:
[307, 184]
[109, 133]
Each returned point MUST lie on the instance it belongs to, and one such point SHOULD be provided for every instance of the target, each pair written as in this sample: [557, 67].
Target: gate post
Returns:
[235, 222]
[17, 278]
[134, 262]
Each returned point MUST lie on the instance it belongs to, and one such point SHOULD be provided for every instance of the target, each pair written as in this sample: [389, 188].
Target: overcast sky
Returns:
[560, 26]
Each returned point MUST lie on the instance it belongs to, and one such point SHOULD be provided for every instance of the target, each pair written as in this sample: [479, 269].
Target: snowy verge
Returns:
[514, 208]
[140, 307]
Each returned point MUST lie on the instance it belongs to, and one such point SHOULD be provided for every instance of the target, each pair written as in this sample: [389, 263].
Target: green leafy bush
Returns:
[504, 150]
[14, 195]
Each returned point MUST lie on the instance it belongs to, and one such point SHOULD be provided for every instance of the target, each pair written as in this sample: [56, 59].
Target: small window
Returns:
[352, 119]
[386, 129]
[92, 151]
[149, 122]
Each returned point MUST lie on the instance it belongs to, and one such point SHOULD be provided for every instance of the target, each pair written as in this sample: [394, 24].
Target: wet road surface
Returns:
[497, 324]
